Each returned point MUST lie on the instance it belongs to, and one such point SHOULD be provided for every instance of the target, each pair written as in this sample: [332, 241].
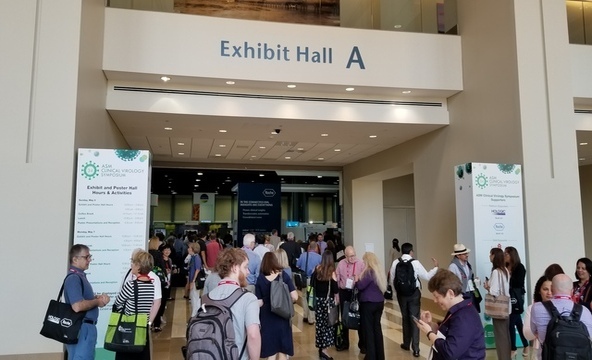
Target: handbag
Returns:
[517, 300]
[61, 323]
[351, 312]
[496, 307]
[340, 334]
[280, 299]
[332, 309]
[127, 333]
[300, 276]
[200, 279]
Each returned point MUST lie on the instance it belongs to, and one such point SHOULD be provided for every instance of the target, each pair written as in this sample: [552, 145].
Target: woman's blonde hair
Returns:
[144, 260]
[154, 243]
[195, 247]
[282, 258]
[373, 268]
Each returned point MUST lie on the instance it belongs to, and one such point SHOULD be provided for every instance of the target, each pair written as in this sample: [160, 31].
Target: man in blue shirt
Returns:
[254, 261]
[79, 293]
[308, 262]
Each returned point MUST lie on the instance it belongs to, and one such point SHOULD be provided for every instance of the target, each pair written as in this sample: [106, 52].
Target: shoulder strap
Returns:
[576, 312]
[551, 309]
[228, 302]
[61, 292]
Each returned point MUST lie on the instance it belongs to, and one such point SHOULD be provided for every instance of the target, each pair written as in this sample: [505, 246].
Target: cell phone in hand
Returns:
[414, 318]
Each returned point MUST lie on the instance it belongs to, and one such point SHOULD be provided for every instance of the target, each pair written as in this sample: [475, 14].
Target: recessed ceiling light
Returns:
[320, 176]
[583, 143]
[372, 136]
[230, 82]
[200, 173]
[337, 150]
[168, 128]
[287, 158]
[321, 158]
[406, 92]
[181, 144]
[324, 135]
[222, 131]
[166, 175]
[195, 185]
[181, 153]
[291, 86]
[197, 180]
[253, 156]
[165, 78]
[349, 89]
[300, 149]
[261, 147]
[261, 175]
[397, 26]
[582, 159]
[218, 155]
[222, 145]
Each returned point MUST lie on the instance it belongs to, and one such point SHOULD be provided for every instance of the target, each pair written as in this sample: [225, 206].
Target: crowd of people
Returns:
[338, 278]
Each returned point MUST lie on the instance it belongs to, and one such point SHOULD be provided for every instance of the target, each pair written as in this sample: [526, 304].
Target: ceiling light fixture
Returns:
[222, 131]
[337, 150]
[583, 143]
[197, 180]
[320, 176]
[324, 135]
[372, 136]
[261, 175]
[350, 89]
[165, 78]
[230, 82]
[222, 145]
[397, 26]
[406, 92]
[300, 149]
[287, 158]
[582, 159]
[261, 147]
[253, 156]
[321, 158]
[199, 173]
[181, 153]
[168, 128]
[218, 155]
[291, 86]
[181, 144]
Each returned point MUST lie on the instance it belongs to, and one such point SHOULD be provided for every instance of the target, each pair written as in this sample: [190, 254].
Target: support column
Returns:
[367, 219]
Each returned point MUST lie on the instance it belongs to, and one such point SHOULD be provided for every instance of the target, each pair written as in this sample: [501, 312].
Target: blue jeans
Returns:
[85, 348]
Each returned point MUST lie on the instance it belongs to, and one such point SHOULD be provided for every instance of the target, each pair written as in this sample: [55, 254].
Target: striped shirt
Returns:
[125, 298]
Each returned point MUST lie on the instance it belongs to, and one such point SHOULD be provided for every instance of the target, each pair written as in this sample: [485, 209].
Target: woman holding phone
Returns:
[460, 335]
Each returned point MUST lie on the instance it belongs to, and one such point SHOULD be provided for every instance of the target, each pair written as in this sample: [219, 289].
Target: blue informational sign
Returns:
[259, 209]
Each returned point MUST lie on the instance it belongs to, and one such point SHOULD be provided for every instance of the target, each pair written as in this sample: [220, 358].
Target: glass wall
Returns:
[579, 22]
[426, 16]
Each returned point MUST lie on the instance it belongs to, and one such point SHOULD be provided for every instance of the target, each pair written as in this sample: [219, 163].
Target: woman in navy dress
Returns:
[276, 332]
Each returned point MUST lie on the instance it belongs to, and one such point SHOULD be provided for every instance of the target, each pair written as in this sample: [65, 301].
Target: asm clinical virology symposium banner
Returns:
[489, 214]
[112, 214]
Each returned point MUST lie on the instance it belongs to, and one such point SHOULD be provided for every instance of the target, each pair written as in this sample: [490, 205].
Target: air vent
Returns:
[583, 111]
[277, 97]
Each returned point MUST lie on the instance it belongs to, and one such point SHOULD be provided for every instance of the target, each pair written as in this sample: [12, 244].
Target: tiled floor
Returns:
[167, 344]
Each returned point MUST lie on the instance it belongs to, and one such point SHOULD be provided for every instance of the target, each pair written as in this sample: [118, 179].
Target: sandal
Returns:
[525, 352]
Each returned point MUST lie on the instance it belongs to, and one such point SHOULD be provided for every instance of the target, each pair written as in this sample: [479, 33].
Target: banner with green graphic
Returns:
[489, 213]
[112, 216]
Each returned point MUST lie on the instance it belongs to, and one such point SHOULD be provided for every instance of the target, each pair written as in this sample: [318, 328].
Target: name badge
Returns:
[349, 283]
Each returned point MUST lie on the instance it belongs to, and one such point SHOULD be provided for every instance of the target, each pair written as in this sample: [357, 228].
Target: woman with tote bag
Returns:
[498, 287]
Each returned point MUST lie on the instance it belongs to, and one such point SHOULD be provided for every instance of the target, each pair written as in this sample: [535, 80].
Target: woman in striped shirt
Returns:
[142, 263]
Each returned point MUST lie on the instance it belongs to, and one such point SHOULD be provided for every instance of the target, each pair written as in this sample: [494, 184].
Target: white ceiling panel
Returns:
[200, 148]
[160, 145]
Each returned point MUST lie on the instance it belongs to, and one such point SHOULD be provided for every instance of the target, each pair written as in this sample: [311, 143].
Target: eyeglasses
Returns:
[87, 257]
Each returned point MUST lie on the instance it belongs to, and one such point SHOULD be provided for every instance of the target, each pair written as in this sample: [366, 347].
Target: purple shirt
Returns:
[369, 290]
[465, 338]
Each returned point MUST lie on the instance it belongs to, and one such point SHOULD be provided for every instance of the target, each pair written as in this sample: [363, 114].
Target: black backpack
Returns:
[567, 337]
[405, 281]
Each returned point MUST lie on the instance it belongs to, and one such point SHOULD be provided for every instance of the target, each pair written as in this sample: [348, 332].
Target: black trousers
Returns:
[410, 305]
[370, 314]
[166, 292]
[346, 295]
[516, 322]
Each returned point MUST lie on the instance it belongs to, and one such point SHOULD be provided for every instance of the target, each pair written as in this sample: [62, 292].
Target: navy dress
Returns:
[276, 332]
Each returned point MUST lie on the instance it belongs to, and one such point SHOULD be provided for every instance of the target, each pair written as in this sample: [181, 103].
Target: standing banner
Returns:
[489, 213]
[204, 207]
[259, 209]
[112, 216]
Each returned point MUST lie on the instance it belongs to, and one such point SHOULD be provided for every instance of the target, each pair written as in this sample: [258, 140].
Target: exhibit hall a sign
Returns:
[112, 214]
[489, 214]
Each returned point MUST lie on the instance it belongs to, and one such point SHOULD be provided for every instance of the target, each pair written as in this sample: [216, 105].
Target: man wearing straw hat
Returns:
[461, 267]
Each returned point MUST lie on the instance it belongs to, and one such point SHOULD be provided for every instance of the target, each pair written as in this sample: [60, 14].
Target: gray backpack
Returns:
[210, 334]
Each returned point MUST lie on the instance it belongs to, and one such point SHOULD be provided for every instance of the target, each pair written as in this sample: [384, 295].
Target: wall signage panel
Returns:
[259, 209]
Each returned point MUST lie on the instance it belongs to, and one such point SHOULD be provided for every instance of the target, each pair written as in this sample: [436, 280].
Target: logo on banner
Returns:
[90, 170]
[506, 168]
[127, 155]
[481, 181]
[499, 212]
[499, 226]
[269, 192]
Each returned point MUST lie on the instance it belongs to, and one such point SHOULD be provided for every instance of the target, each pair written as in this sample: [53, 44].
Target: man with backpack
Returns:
[227, 325]
[406, 272]
[561, 326]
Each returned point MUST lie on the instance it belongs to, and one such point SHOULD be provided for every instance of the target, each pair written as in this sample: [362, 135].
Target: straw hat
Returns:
[460, 249]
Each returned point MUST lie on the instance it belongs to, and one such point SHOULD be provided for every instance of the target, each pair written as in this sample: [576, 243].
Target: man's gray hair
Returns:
[248, 239]
[290, 236]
